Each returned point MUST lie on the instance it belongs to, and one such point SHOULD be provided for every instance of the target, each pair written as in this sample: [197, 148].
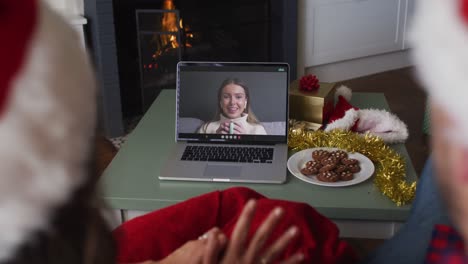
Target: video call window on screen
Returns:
[232, 102]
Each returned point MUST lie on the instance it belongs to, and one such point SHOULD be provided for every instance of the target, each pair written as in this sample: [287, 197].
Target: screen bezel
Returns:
[239, 139]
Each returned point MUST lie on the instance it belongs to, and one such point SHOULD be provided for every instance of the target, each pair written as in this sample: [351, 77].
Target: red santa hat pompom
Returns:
[439, 37]
[380, 123]
[344, 116]
[47, 118]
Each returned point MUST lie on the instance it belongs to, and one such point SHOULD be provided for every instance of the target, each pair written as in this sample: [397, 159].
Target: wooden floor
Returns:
[406, 100]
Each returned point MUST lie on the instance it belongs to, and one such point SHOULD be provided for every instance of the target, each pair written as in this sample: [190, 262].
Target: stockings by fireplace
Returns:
[137, 43]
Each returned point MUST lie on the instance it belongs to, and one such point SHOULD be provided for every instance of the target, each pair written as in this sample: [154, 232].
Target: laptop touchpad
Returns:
[222, 171]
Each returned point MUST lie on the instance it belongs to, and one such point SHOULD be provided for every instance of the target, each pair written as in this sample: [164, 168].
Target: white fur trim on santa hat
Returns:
[344, 91]
[45, 131]
[346, 122]
[439, 37]
[383, 124]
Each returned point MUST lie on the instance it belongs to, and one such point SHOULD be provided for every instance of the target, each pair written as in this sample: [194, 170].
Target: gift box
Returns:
[311, 106]
[304, 125]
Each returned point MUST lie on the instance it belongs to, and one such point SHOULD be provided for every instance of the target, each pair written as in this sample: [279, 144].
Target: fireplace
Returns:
[136, 44]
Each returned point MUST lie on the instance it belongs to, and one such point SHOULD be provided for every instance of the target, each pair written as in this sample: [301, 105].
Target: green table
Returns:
[131, 182]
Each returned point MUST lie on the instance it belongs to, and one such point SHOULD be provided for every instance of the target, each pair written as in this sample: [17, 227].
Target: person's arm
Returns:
[260, 130]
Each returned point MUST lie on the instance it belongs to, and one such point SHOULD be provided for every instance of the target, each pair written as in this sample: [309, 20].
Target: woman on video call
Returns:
[234, 115]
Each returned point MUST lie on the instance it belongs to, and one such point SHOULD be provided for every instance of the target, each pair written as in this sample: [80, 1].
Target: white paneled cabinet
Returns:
[409, 15]
[340, 30]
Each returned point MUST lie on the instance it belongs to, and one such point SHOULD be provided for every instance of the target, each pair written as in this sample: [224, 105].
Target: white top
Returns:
[250, 128]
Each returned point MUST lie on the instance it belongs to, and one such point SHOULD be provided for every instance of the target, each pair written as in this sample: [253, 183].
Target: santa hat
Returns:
[344, 116]
[439, 37]
[380, 123]
[47, 118]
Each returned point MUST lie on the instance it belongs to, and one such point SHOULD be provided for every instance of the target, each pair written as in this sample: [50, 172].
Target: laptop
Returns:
[231, 123]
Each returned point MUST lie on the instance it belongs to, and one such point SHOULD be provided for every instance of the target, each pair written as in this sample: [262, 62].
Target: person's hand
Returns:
[194, 250]
[224, 128]
[239, 251]
[238, 129]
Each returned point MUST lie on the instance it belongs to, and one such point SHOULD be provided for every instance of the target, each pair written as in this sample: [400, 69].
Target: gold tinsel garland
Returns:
[390, 166]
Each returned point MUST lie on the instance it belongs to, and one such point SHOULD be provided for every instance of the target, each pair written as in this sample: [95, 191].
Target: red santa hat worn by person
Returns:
[377, 122]
[47, 118]
[439, 36]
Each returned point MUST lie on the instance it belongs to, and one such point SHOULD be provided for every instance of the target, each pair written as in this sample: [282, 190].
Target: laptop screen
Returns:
[232, 102]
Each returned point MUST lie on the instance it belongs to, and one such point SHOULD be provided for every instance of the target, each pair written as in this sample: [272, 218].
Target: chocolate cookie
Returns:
[354, 168]
[320, 154]
[307, 171]
[328, 167]
[339, 154]
[329, 160]
[340, 168]
[327, 176]
[347, 161]
[313, 164]
[346, 176]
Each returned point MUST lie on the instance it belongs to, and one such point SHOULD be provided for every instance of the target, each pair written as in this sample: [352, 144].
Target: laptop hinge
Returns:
[233, 143]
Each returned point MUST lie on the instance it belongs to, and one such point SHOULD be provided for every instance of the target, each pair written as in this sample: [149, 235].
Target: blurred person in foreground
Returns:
[437, 229]
[50, 210]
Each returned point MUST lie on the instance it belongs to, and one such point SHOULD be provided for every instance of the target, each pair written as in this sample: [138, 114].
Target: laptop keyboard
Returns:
[228, 154]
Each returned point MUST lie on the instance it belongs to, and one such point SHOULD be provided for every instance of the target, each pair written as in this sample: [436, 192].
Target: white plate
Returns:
[297, 161]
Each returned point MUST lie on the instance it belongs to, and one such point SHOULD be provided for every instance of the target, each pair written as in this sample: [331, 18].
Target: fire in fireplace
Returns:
[137, 43]
[170, 22]
[162, 39]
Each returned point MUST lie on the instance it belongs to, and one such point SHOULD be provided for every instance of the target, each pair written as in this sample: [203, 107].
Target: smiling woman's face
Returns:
[233, 101]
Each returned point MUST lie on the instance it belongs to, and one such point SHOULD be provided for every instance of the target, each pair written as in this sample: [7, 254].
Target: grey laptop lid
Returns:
[198, 100]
